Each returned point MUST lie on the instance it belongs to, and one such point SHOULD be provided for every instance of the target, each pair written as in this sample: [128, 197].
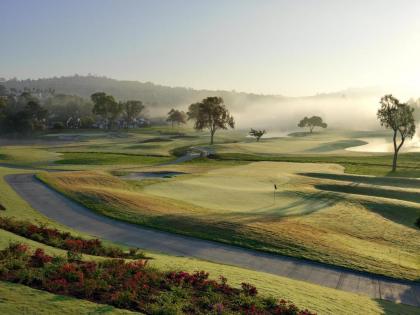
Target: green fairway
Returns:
[106, 158]
[316, 214]
[366, 229]
[321, 300]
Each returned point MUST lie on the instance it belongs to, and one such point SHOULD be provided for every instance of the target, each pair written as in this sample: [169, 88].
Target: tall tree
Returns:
[399, 117]
[193, 111]
[36, 114]
[212, 114]
[177, 116]
[257, 134]
[312, 122]
[106, 106]
[132, 110]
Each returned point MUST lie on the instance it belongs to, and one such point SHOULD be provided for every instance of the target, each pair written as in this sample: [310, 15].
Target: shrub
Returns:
[58, 125]
[65, 240]
[135, 286]
[418, 222]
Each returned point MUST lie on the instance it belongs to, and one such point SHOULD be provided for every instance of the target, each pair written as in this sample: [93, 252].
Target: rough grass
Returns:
[16, 299]
[235, 205]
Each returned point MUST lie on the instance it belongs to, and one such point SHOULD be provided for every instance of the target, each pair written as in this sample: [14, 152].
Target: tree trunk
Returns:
[212, 136]
[311, 129]
[396, 150]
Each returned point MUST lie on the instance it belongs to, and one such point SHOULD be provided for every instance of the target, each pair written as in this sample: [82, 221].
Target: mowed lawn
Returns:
[314, 215]
[19, 299]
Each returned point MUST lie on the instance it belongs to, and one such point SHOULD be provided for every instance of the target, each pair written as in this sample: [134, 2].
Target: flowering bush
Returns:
[65, 240]
[135, 286]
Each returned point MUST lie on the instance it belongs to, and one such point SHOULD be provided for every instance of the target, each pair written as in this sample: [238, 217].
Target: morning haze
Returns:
[210, 157]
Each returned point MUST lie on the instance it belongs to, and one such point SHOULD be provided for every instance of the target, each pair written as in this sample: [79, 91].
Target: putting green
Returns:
[246, 188]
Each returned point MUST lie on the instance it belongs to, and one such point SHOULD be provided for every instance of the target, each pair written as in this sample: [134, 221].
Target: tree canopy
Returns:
[257, 133]
[211, 113]
[400, 118]
[132, 110]
[312, 122]
[106, 106]
[177, 116]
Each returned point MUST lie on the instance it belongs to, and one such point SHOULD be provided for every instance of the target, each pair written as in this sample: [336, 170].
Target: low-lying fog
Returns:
[281, 117]
[284, 115]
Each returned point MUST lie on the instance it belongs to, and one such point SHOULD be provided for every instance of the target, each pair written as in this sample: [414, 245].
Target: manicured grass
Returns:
[26, 155]
[323, 300]
[234, 204]
[323, 142]
[105, 158]
[377, 165]
[19, 299]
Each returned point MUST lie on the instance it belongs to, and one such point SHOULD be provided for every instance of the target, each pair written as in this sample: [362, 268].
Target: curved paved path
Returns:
[61, 209]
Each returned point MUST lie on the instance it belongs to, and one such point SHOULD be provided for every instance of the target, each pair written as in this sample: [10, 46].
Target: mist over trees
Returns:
[22, 112]
[132, 110]
[311, 123]
[257, 133]
[176, 116]
[274, 111]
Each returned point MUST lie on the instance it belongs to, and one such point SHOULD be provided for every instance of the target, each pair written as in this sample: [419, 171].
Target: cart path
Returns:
[61, 209]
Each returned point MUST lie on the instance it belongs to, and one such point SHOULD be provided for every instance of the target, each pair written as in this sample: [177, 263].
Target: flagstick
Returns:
[274, 194]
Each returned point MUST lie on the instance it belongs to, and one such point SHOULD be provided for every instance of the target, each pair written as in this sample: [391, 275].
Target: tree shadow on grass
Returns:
[404, 214]
[307, 203]
[372, 191]
[409, 297]
[401, 214]
[381, 181]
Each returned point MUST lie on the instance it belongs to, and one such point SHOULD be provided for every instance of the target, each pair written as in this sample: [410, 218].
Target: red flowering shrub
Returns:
[249, 289]
[39, 258]
[135, 286]
[65, 240]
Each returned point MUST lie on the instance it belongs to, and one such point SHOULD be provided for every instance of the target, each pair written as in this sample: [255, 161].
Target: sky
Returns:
[292, 48]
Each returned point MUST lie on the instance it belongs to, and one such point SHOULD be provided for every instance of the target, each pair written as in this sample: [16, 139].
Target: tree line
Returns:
[23, 112]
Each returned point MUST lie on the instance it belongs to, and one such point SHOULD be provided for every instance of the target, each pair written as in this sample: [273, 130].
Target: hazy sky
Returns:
[283, 47]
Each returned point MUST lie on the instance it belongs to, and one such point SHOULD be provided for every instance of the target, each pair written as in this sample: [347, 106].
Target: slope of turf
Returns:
[235, 204]
[322, 300]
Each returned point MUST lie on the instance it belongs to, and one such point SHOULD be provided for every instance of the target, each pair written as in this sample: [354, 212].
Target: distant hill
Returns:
[158, 96]
[274, 111]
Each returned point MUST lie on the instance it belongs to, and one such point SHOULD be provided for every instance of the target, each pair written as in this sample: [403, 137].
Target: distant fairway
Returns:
[325, 142]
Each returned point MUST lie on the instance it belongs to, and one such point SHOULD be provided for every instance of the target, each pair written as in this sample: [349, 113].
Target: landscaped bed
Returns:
[65, 240]
[134, 285]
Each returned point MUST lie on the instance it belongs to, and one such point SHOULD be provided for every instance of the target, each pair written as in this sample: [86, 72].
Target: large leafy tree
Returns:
[212, 114]
[132, 110]
[311, 123]
[107, 107]
[176, 116]
[400, 118]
